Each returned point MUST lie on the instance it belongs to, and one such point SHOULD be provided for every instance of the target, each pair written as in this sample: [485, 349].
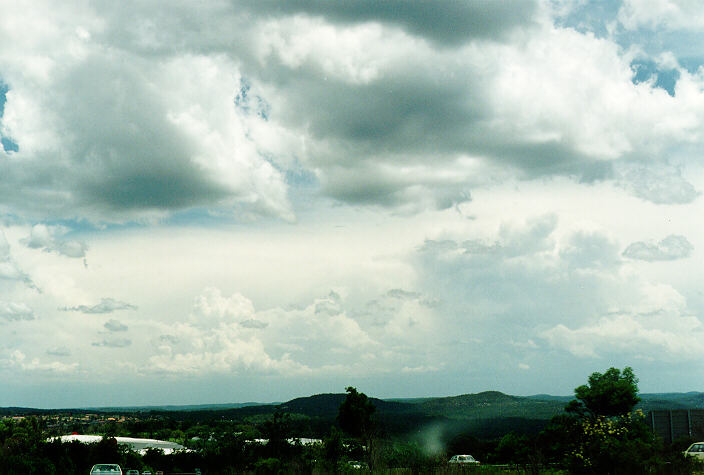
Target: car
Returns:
[356, 465]
[132, 472]
[463, 460]
[106, 469]
[696, 450]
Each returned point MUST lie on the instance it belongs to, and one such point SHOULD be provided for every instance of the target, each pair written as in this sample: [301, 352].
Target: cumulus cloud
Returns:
[112, 342]
[9, 270]
[11, 311]
[656, 183]
[444, 22]
[401, 105]
[18, 359]
[671, 14]
[115, 326]
[216, 339]
[253, 323]
[106, 305]
[48, 238]
[58, 351]
[668, 249]
[320, 337]
[671, 337]
[573, 293]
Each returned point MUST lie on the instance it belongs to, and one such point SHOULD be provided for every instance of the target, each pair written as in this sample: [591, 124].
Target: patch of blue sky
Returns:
[3, 91]
[593, 17]
[251, 103]
[200, 217]
[646, 70]
[7, 144]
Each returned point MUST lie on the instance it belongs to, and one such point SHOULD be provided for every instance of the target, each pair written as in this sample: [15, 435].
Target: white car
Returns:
[106, 469]
[696, 450]
[464, 459]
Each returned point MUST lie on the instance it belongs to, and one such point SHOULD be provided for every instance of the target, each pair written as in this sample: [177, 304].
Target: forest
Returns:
[601, 430]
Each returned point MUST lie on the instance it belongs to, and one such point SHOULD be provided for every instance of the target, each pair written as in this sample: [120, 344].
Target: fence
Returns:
[672, 424]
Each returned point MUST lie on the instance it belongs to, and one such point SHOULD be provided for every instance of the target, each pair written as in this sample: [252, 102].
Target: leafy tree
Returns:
[610, 394]
[355, 414]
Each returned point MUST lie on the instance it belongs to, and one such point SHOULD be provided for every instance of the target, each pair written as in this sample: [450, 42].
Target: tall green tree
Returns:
[609, 394]
[355, 414]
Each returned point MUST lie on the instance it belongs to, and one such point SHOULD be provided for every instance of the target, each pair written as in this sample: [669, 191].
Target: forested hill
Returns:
[483, 405]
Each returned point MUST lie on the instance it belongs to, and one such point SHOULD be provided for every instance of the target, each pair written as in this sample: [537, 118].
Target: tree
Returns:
[610, 394]
[355, 414]
[601, 434]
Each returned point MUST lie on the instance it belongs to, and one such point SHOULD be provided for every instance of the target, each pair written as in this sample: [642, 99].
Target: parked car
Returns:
[106, 469]
[696, 450]
[463, 459]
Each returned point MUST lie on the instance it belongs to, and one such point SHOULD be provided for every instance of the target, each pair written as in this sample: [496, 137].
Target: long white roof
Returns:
[139, 445]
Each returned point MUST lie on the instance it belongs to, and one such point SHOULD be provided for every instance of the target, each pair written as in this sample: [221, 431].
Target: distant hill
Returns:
[181, 408]
[487, 413]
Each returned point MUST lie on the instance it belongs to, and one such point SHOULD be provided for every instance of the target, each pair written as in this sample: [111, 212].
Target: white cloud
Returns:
[15, 311]
[113, 342]
[669, 248]
[106, 305]
[48, 238]
[670, 14]
[115, 326]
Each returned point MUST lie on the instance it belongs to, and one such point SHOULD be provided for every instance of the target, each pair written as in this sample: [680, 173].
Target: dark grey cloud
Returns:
[106, 305]
[444, 22]
[113, 343]
[12, 311]
[115, 326]
[668, 249]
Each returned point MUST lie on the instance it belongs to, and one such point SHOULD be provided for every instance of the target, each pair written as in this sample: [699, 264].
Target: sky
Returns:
[256, 200]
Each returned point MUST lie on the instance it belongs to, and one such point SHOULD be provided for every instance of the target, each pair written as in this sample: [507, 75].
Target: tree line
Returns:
[599, 432]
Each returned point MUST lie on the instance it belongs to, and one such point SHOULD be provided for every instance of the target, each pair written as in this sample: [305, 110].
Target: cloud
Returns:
[106, 305]
[217, 338]
[9, 269]
[113, 342]
[445, 22]
[394, 104]
[569, 291]
[670, 337]
[670, 14]
[159, 146]
[19, 360]
[253, 323]
[58, 351]
[48, 238]
[227, 334]
[115, 326]
[670, 248]
[12, 311]
[656, 183]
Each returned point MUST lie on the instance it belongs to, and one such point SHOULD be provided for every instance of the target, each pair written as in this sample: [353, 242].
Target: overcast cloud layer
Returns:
[258, 200]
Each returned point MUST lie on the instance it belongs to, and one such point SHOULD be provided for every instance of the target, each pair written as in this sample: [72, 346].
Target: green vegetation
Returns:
[601, 431]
